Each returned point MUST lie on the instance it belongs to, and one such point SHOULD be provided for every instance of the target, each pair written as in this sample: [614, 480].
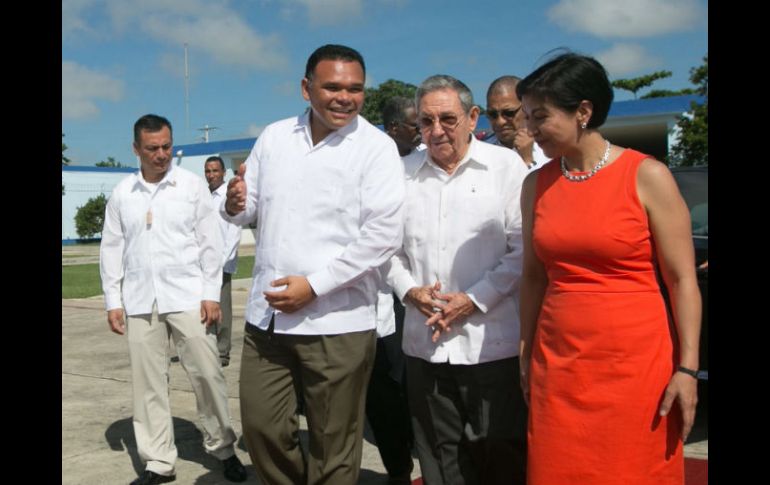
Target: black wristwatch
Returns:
[687, 371]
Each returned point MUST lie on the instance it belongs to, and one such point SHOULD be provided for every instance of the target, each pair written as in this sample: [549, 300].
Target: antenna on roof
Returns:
[186, 90]
[205, 130]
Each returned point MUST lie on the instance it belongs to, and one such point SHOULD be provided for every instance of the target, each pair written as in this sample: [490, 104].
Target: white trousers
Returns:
[148, 336]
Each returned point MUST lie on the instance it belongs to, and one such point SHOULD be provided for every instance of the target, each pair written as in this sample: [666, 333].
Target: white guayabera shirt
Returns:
[331, 212]
[160, 242]
[463, 229]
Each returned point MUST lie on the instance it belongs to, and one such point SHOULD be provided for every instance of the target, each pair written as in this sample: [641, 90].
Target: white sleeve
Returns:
[382, 200]
[230, 247]
[209, 239]
[504, 278]
[111, 254]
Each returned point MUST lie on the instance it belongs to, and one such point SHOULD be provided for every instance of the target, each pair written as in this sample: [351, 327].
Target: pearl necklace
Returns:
[584, 177]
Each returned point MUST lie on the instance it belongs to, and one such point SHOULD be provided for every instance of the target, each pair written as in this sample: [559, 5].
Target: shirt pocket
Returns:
[178, 215]
[481, 214]
[133, 217]
[415, 220]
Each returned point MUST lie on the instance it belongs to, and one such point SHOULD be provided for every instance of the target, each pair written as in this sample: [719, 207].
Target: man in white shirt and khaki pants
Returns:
[326, 189]
[458, 276]
[161, 266]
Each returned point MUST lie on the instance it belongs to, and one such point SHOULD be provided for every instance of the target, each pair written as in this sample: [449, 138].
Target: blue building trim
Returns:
[82, 168]
[653, 106]
[224, 146]
[72, 242]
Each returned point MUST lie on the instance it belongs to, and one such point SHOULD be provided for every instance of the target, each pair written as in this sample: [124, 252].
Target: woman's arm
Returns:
[533, 283]
[669, 221]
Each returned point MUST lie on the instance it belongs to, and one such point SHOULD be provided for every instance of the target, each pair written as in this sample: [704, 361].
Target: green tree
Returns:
[637, 83]
[693, 147]
[89, 219]
[64, 160]
[376, 97]
[110, 162]
[664, 93]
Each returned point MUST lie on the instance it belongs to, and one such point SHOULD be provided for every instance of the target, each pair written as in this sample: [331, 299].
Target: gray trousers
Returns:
[331, 372]
[225, 327]
[148, 350]
[470, 422]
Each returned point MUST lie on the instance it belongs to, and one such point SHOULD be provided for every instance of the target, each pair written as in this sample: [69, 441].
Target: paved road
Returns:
[97, 437]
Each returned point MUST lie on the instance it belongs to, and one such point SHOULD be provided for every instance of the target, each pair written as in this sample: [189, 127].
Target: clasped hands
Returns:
[441, 309]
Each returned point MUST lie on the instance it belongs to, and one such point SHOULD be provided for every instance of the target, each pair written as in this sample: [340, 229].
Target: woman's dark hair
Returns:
[568, 79]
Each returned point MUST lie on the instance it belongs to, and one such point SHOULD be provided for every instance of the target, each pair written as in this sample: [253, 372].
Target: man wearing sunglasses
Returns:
[507, 120]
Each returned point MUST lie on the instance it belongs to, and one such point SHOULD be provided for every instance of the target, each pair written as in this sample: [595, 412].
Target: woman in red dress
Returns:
[610, 383]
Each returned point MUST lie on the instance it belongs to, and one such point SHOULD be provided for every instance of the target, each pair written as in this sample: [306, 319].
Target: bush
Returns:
[89, 219]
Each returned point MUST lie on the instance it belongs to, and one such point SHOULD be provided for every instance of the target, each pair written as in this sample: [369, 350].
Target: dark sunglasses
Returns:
[506, 113]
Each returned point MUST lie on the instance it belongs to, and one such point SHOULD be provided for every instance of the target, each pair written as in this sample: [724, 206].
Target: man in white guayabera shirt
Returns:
[458, 276]
[214, 170]
[161, 266]
[326, 189]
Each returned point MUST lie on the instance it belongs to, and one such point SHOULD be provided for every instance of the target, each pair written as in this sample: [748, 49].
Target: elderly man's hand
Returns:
[452, 307]
[236, 192]
[422, 298]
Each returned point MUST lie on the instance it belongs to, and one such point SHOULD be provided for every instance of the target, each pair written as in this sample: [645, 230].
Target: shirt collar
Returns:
[348, 131]
[471, 157]
[220, 191]
[168, 178]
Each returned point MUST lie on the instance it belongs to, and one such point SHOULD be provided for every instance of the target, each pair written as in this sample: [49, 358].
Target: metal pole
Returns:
[186, 90]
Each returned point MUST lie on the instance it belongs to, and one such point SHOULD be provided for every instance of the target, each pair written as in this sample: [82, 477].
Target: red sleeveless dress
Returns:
[603, 351]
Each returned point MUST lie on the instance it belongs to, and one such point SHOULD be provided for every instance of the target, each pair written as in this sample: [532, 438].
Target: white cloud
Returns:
[288, 88]
[72, 21]
[253, 130]
[81, 87]
[623, 59]
[628, 18]
[211, 27]
[332, 12]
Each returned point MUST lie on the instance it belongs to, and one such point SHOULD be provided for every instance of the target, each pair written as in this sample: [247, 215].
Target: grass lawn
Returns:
[82, 280]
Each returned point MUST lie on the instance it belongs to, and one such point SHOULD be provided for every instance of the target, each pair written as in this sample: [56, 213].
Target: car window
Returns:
[693, 184]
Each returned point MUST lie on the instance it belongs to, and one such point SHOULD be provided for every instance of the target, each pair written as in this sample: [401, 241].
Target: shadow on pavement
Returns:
[189, 444]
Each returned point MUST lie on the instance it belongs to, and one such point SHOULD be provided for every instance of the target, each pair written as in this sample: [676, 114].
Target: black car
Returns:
[693, 184]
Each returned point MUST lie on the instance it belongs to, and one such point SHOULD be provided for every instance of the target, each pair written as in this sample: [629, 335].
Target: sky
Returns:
[122, 59]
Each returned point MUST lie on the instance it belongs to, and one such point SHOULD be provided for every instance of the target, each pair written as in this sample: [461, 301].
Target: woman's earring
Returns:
[583, 125]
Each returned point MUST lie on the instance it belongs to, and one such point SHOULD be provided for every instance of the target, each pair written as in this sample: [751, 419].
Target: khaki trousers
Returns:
[332, 372]
[148, 336]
